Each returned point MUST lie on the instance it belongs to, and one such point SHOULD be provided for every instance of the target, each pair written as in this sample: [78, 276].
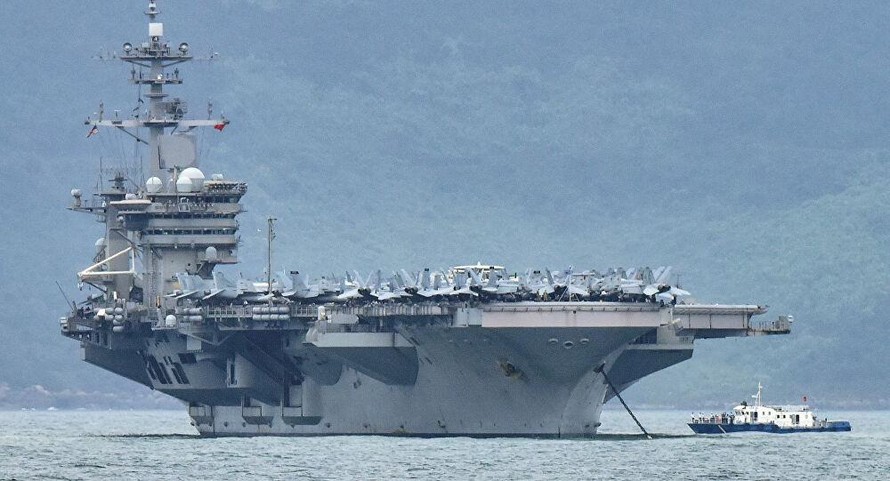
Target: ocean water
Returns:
[148, 445]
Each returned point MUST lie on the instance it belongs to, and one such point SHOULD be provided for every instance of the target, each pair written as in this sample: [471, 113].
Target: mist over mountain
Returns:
[746, 145]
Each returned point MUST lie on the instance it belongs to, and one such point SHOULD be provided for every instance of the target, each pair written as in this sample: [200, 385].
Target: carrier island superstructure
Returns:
[471, 350]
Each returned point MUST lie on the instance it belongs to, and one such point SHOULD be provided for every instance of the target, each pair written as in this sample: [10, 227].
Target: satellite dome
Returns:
[196, 176]
[184, 184]
[100, 244]
[153, 185]
[210, 254]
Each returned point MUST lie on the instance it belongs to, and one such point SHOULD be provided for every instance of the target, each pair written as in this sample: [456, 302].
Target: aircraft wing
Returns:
[349, 294]
[213, 293]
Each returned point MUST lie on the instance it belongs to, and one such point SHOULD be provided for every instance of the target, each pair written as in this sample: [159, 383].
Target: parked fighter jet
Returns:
[382, 289]
[191, 286]
[322, 291]
[567, 289]
[350, 288]
[491, 281]
[433, 284]
[296, 286]
[488, 282]
[242, 289]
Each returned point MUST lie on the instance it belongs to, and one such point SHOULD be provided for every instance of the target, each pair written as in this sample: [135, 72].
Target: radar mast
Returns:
[172, 151]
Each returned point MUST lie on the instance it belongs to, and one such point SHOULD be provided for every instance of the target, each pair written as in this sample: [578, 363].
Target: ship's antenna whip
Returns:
[270, 234]
[602, 371]
[73, 305]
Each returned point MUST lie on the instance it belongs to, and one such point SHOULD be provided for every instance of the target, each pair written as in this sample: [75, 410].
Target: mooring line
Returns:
[602, 371]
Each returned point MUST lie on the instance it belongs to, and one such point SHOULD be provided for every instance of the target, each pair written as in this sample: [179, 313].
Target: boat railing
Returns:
[713, 418]
[384, 310]
[781, 325]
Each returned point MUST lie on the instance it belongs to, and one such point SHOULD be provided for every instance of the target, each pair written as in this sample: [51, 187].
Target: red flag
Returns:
[220, 126]
[93, 131]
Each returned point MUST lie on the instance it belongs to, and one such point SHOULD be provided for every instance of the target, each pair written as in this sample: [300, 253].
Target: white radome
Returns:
[184, 184]
[196, 176]
[153, 185]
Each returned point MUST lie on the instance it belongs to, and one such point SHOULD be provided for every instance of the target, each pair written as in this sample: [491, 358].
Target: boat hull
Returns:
[725, 428]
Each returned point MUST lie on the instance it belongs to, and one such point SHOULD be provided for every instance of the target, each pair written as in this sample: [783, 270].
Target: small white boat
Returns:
[767, 419]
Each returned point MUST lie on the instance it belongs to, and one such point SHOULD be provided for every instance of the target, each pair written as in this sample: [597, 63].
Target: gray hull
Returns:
[462, 388]
[527, 369]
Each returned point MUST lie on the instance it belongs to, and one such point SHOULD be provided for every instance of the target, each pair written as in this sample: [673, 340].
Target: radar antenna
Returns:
[156, 56]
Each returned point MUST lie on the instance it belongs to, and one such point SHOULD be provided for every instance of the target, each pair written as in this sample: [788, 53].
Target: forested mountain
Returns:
[744, 144]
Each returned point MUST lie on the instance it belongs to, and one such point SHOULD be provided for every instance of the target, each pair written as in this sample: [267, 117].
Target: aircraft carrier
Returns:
[471, 350]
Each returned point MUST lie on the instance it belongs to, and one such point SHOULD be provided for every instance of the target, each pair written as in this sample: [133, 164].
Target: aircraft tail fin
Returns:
[460, 280]
[407, 278]
[285, 283]
[425, 278]
[185, 281]
[492, 279]
[221, 281]
[477, 280]
[664, 277]
[298, 280]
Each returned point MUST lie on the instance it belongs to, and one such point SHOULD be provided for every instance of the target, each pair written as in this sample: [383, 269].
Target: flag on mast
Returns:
[93, 131]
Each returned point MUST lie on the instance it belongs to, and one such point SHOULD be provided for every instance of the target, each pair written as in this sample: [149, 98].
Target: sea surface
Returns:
[148, 445]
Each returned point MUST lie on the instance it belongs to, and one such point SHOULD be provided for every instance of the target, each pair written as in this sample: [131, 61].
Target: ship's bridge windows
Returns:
[190, 232]
[195, 215]
[222, 200]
